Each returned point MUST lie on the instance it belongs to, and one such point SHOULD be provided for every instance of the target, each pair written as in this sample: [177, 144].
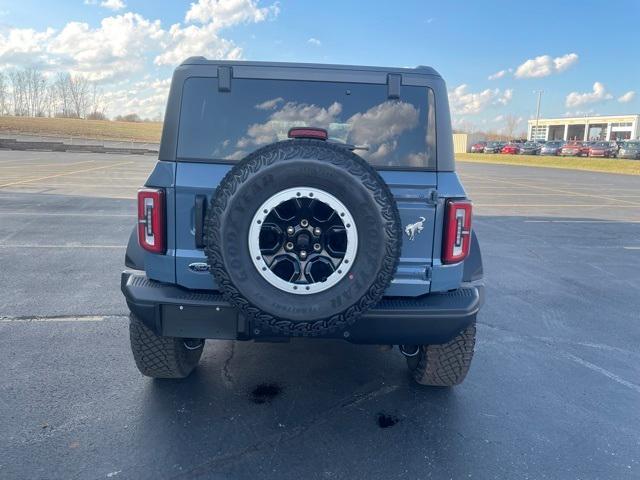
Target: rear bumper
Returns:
[170, 310]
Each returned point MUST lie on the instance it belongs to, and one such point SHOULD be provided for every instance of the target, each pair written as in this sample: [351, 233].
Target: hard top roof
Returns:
[420, 69]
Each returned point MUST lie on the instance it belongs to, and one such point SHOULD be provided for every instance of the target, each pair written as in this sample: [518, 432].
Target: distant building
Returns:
[462, 141]
[602, 127]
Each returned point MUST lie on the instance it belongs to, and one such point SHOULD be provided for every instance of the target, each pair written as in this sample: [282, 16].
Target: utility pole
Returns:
[539, 92]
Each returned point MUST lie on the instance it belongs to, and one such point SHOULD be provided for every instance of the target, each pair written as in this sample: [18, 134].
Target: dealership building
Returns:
[603, 127]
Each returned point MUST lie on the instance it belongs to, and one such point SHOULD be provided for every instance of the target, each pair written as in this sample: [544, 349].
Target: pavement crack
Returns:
[205, 468]
[226, 368]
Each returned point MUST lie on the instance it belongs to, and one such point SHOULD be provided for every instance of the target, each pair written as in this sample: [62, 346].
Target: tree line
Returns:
[29, 93]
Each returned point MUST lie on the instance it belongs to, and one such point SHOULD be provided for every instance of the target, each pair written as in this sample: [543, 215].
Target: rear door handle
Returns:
[199, 210]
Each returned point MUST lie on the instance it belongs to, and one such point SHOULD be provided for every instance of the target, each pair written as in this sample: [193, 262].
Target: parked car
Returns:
[618, 144]
[493, 147]
[630, 149]
[511, 148]
[574, 149]
[530, 148]
[551, 147]
[603, 149]
[478, 147]
[303, 237]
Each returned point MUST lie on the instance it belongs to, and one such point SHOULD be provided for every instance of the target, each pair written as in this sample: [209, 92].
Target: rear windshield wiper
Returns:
[349, 145]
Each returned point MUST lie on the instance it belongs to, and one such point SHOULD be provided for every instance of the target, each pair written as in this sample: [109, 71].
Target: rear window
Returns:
[226, 126]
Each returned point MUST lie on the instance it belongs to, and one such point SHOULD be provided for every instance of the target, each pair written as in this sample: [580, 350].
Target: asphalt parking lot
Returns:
[553, 392]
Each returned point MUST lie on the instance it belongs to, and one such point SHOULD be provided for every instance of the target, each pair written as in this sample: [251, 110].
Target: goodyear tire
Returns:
[286, 193]
[162, 357]
[444, 365]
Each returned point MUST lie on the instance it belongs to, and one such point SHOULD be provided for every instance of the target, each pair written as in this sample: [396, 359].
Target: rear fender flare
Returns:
[134, 256]
[473, 264]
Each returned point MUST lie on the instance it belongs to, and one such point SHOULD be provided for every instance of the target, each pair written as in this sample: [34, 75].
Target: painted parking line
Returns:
[602, 371]
[31, 165]
[553, 205]
[86, 185]
[582, 221]
[69, 214]
[555, 190]
[87, 318]
[36, 245]
[21, 182]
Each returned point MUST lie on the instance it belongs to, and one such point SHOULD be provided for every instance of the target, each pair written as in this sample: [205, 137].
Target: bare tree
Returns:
[36, 88]
[97, 107]
[510, 125]
[18, 93]
[62, 97]
[28, 88]
[79, 93]
[4, 95]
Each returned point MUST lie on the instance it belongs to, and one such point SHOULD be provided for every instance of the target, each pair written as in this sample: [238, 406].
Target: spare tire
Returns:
[303, 236]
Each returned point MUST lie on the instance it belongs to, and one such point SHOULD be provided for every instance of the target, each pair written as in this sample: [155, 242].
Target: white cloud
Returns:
[497, 75]
[270, 104]
[183, 42]
[506, 97]
[464, 102]
[117, 47]
[289, 115]
[121, 47]
[124, 44]
[627, 97]
[544, 66]
[599, 94]
[380, 126]
[314, 41]
[580, 113]
[225, 13]
[114, 5]
[147, 98]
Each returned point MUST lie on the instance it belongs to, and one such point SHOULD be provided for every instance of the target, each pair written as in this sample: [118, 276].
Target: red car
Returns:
[603, 149]
[511, 148]
[574, 149]
[478, 147]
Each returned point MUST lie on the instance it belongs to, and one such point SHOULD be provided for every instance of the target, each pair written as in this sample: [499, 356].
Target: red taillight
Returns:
[308, 132]
[457, 231]
[151, 229]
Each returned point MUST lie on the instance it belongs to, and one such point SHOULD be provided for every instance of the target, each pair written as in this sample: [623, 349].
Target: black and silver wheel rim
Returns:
[303, 240]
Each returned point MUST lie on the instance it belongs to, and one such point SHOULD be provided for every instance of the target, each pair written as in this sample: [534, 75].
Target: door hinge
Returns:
[434, 197]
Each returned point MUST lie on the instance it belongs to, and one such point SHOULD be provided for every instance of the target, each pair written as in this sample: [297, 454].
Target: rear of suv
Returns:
[299, 200]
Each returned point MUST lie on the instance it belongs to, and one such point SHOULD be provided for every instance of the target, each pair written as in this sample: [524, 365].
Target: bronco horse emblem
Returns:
[414, 228]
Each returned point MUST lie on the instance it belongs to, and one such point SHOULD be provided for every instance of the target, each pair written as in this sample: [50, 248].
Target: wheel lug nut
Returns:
[303, 254]
[290, 230]
[317, 231]
[304, 223]
[289, 246]
[317, 247]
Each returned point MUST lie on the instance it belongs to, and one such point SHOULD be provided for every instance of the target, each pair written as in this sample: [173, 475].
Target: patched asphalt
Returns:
[553, 391]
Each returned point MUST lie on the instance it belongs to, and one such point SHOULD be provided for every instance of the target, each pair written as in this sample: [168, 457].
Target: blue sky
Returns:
[583, 54]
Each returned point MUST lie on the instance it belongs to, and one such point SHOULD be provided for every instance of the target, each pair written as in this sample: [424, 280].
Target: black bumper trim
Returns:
[174, 311]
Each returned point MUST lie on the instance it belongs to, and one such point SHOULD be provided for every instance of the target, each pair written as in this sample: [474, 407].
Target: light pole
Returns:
[539, 92]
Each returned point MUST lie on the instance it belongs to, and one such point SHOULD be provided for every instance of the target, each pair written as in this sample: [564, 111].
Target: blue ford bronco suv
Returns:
[303, 200]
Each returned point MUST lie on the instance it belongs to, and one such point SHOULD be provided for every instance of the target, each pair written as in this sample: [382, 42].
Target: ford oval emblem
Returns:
[199, 267]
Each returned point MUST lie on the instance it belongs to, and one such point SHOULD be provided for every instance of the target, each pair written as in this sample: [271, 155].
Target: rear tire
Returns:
[162, 357]
[444, 365]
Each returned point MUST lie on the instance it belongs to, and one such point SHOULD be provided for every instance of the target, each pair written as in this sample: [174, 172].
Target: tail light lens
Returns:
[457, 231]
[151, 218]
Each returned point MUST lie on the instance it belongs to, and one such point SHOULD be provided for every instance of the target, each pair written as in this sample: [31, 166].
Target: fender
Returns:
[134, 256]
[473, 264]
